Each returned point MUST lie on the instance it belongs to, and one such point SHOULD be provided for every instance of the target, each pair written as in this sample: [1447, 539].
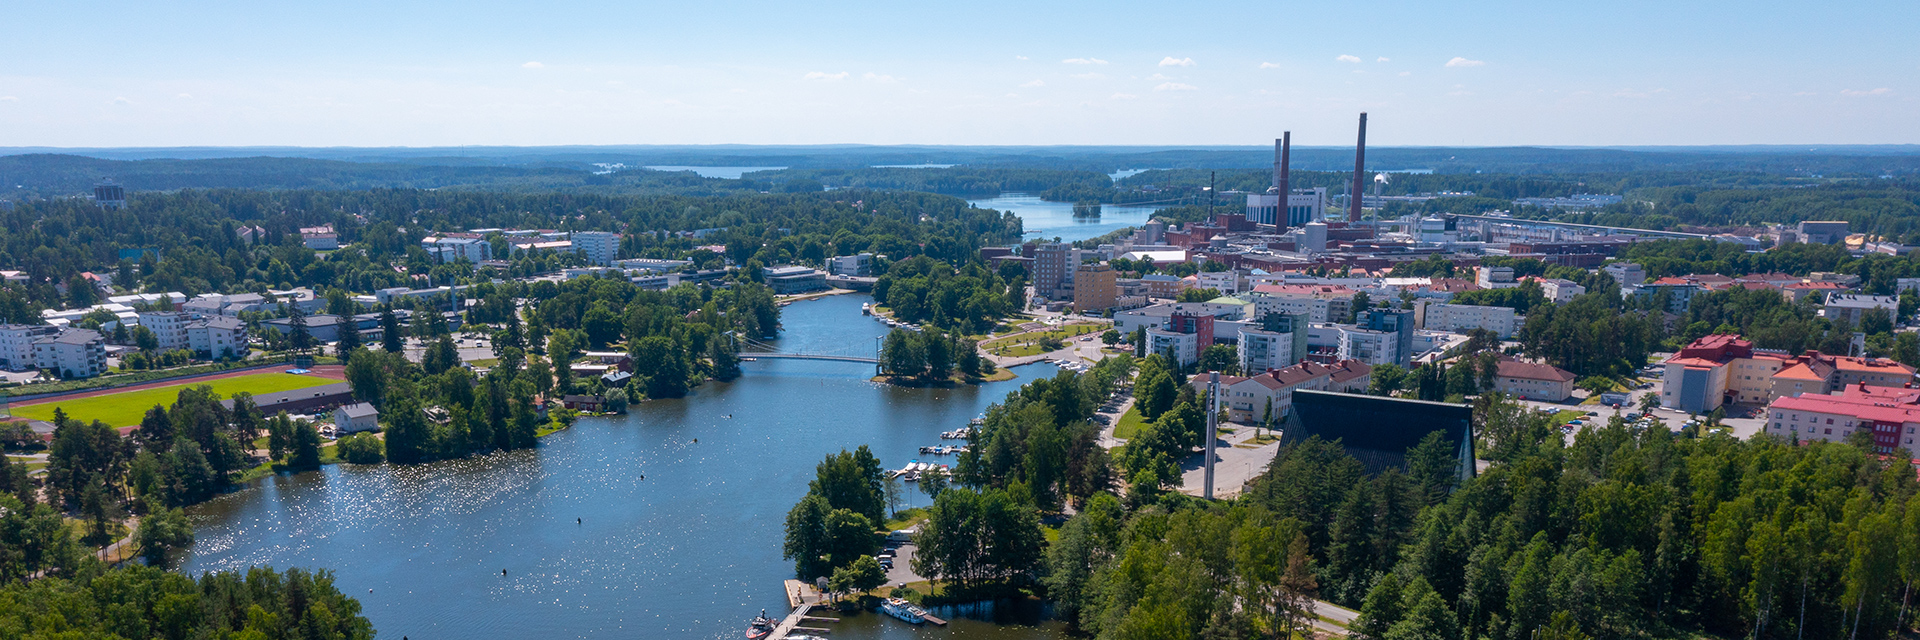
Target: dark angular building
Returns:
[1378, 430]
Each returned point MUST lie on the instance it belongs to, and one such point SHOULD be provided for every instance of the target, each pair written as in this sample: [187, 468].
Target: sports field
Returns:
[124, 409]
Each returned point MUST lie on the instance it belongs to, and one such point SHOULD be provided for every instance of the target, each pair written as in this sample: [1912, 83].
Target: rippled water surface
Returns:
[679, 509]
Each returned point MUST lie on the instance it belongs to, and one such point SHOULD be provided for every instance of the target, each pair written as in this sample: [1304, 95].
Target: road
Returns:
[1234, 464]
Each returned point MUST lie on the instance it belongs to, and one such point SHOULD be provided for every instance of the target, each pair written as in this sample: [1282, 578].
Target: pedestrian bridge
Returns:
[751, 348]
[806, 356]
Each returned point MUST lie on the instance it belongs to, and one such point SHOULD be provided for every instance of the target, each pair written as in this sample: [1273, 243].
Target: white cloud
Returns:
[9, 98]
[1404, 74]
[1035, 83]
[1463, 62]
[531, 65]
[1871, 92]
[185, 96]
[1805, 93]
[1159, 77]
[120, 100]
[1084, 61]
[1383, 59]
[1346, 58]
[875, 77]
[1020, 58]
[1090, 76]
[1122, 96]
[822, 75]
[1269, 65]
[1171, 61]
[1175, 86]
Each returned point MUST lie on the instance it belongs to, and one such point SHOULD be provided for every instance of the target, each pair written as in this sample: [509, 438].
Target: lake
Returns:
[680, 506]
[730, 173]
[1043, 219]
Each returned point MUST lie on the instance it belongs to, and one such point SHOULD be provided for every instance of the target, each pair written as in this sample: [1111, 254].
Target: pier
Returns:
[803, 598]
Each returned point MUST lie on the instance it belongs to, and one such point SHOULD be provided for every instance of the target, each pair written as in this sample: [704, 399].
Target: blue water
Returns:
[690, 551]
[1047, 220]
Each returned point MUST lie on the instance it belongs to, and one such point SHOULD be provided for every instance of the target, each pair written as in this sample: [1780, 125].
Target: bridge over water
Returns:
[755, 349]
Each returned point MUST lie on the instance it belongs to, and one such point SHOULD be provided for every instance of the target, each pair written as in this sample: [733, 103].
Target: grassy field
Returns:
[126, 409]
[1130, 424]
[1028, 344]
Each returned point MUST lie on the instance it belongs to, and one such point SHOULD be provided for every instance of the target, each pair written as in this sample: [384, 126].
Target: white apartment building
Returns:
[600, 247]
[1371, 347]
[169, 328]
[1461, 318]
[858, 265]
[1561, 291]
[72, 353]
[1316, 309]
[16, 344]
[1226, 282]
[1495, 278]
[1185, 347]
[1625, 273]
[450, 249]
[218, 337]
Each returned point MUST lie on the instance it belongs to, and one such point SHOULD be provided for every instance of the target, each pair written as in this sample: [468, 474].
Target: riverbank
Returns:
[667, 522]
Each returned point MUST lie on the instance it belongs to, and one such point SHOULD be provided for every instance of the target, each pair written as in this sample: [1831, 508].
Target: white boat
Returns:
[904, 610]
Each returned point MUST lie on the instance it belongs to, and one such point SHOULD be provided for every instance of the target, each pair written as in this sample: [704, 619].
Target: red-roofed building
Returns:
[1719, 369]
[1533, 381]
[1892, 415]
[1246, 399]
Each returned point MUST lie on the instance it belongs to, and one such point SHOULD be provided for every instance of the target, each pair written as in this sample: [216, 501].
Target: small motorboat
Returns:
[760, 626]
[904, 610]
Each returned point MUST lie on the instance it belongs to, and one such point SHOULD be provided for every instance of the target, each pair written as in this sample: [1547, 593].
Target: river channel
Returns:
[680, 508]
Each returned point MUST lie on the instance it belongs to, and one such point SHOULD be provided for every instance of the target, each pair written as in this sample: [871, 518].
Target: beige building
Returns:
[1532, 381]
[1094, 289]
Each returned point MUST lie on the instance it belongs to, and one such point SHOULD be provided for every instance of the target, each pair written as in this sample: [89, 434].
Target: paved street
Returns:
[1234, 465]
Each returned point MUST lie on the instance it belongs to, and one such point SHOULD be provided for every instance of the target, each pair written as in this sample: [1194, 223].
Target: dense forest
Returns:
[142, 602]
[1618, 532]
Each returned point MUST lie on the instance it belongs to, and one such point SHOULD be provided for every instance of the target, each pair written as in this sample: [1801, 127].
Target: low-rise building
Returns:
[1461, 318]
[1720, 369]
[1852, 308]
[1247, 399]
[1533, 381]
[859, 265]
[355, 418]
[1892, 415]
[794, 279]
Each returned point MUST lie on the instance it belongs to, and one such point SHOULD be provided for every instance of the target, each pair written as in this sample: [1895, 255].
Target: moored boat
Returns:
[904, 610]
[760, 626]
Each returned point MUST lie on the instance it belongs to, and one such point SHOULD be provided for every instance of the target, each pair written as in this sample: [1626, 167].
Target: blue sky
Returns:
[354, 73]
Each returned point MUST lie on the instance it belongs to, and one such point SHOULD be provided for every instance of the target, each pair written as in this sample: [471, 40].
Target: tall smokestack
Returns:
[1359, 173]
[1280, 177]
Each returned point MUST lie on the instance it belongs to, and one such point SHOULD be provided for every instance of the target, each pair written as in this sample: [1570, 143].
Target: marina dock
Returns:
[803, 598]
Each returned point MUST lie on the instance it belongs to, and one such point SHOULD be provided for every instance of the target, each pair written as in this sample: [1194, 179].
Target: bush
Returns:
[362, 448]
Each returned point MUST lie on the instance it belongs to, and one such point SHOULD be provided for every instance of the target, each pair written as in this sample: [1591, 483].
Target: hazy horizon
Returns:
[362, 74]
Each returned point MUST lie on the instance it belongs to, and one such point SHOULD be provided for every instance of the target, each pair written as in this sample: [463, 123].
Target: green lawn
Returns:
[126, 409]
[1028, 344]
[1130, 424]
